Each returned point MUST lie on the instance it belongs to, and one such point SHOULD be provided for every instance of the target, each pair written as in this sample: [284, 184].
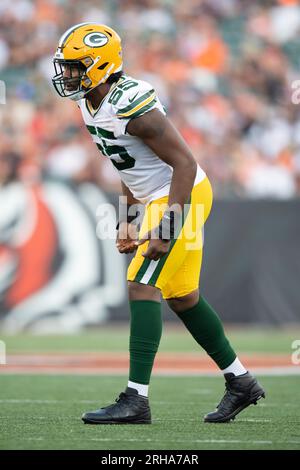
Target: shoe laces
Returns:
[228, 396]
[122, 397]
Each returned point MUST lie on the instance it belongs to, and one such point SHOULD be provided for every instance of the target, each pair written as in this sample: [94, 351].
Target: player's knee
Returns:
[181, 304]
[139, 291]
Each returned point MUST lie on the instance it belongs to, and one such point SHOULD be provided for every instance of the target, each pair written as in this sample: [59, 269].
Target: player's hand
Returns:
[126, 238]
[156, 248]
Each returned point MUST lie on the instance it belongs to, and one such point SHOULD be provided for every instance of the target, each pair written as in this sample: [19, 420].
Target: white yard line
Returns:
[46, 402]
[177, 441]
[268, 371]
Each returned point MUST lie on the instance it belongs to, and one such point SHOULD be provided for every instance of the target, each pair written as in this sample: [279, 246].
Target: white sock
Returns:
[141, 388]
[235, 368]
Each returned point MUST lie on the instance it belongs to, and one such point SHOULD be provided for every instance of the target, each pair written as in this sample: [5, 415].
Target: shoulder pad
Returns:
[132, 98]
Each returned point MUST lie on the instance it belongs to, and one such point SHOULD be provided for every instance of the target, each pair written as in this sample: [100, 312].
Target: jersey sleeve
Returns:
[135, 102]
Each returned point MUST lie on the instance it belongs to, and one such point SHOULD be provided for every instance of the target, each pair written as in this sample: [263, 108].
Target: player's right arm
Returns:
[126, 192]
[127, 233]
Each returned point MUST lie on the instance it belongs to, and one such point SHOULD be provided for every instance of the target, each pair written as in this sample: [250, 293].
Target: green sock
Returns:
[205, 326]
[145, 334]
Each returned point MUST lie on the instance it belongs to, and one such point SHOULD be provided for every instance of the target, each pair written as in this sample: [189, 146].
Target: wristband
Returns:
[166, 228]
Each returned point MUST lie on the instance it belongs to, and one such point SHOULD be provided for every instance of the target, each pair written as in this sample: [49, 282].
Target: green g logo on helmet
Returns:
[95, 39]
[79, 47]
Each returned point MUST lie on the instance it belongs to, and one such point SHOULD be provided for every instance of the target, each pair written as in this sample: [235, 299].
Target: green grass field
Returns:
[115, 338]
[44, 411]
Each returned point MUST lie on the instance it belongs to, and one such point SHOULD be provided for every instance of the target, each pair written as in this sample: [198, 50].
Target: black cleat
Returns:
[241, 391]
[130, 408]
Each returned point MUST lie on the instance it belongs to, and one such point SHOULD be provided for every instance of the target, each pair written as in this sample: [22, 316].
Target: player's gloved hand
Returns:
[156, 248]
[126, 237]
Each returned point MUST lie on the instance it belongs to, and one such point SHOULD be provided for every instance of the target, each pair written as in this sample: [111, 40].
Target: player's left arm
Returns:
[158, 133]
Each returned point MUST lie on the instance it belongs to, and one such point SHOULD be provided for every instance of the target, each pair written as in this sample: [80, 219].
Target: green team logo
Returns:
[95, 39]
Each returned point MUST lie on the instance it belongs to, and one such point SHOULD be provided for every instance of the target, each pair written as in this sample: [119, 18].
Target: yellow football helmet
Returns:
[91, 53]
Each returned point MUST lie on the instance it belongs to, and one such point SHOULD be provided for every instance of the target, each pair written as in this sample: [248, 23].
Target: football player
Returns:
[129, 125]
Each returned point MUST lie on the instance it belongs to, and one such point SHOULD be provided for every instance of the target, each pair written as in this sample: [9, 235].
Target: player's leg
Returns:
[204, 324]
[145, 278]
[132, 406]
[200, 319]
[145, 333]
[242, 389]
[206, 327]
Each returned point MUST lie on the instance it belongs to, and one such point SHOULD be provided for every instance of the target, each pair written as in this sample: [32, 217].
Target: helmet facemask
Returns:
[74, 86]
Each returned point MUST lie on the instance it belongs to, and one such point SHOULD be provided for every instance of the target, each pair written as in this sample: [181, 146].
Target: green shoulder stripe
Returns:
[140, 111]
[136, 102]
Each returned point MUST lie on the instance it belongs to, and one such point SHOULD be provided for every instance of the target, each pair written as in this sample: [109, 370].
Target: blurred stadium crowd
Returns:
[223, 69]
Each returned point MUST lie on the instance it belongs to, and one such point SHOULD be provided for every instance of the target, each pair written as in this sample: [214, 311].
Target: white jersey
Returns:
[141, 170]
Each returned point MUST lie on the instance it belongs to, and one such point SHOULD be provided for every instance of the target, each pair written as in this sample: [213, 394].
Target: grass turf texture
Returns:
[115, 339]
[43, 412]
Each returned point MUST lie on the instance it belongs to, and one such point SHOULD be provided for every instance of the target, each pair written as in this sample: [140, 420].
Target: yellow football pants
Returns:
[178, 272]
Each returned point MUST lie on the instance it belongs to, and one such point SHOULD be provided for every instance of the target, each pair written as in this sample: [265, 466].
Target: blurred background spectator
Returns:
[223, 69]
